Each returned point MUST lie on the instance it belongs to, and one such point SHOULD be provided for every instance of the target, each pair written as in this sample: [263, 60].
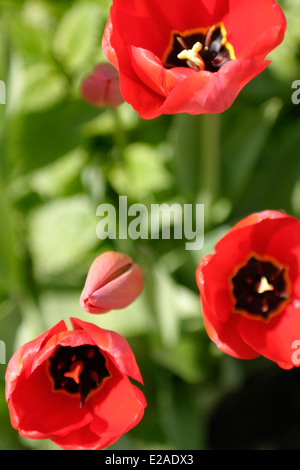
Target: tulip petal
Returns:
[274, 339]
[226, 336]
[207, 92]
[79, 439]
[122, 408]
[267, 29]
[33, 398]
[131, 88]
[150, 70]
[114, 345]
[22, 359]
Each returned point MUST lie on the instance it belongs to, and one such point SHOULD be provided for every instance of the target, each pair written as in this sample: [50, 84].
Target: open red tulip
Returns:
[183, 56]
[250, 288]
[114, 281]
[72, 387]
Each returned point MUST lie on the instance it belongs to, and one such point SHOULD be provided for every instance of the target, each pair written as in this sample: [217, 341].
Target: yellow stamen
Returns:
[264, 286]
[192, 55]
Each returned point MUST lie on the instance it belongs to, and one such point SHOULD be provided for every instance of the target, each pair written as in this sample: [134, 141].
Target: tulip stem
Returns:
[196, 143]
[119, 135]
[210, 161]
[186, 142]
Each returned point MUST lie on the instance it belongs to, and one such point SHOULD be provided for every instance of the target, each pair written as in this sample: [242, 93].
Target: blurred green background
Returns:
[61, 158]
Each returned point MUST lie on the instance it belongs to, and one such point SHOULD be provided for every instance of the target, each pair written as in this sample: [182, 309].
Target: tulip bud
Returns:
[113, 282]
[102, 87]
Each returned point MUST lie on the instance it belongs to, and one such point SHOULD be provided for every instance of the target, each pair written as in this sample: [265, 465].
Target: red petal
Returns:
[284, 247]
[274, 339]
[226, 336]
[121, 408]
[66, 338]
[255, 232]
[150, 70]
[22, 359]
[39, 413]
[259, 216]
[114, 345]
[207, 92]
[254, 28]
[148, 24]
[116, 407]
[79, 439]
[108, 49]
[220, 323]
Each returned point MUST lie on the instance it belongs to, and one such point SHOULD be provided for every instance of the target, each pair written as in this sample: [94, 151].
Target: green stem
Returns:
[196, 143]
[120, 136]
[210, 157]
[185, 140]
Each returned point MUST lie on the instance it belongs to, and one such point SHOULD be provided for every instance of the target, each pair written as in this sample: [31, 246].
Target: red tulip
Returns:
[250, 288]
[189, 57]
[72, 387]
[102, 87]
[113, 282]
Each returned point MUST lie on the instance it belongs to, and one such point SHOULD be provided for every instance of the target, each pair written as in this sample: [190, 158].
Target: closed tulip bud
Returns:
[113, 282]
[102, 87]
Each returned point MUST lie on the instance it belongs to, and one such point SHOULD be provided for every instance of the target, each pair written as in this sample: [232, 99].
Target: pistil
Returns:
[192, 56]
[75, 371]
[264, 286]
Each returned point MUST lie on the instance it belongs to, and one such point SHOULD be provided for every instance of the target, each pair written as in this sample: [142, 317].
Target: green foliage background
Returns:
[61, 158]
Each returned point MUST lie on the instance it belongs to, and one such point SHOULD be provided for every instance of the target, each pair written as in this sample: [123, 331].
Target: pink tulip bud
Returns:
[102, 87]
[113, 282]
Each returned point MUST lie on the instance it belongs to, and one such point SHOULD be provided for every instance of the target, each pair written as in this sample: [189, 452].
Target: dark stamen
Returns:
[208, 36]
[181, 42]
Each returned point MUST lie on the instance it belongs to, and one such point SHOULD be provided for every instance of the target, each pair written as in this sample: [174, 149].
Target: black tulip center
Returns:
[260, 288]
[203, 50]
[78, 369]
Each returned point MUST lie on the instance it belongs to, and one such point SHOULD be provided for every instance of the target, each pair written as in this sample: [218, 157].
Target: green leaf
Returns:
[142, 172]
[61, 233]
[53, 180]
[31, 42]
[78, 36]
[44, 86]
[182, 360]
[32, 135]
[242, 149]
[8, 252]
